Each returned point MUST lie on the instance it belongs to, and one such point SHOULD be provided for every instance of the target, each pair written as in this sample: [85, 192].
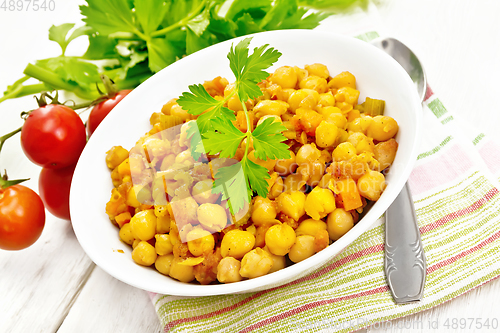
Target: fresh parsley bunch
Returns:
[129, 40]
[214, 133]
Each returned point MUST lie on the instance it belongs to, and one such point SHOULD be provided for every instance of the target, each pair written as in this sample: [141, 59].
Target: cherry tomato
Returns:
[53, 186]
[53, 136]
[22, 217]
[101, 110]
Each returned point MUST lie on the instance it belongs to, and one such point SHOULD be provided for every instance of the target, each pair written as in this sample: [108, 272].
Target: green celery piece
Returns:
[161, 53]
[195, 43]
[200, 22]
[275, 16]
[221, 27]
[254, 8]
[333, 5]
[246, 25]
[150, 14]
[59, 33]
[110, 16]
[179, 10]
[72, 70]
[101, 47]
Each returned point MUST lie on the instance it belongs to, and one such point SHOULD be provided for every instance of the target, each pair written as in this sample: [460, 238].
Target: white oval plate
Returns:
[377, 75]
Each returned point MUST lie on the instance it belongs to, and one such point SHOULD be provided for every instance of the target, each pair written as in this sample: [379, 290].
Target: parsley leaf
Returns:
[231, 182]
[256, 176]
[225, 139]
[249, 70]
[268, 140]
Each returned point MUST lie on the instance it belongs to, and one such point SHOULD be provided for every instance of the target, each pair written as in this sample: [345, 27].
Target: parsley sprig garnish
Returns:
[218, 135]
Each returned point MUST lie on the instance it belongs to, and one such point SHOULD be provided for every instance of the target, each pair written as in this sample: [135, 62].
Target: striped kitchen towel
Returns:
[457, 201]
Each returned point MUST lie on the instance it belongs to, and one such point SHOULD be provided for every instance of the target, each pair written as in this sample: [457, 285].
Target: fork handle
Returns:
[405, 264]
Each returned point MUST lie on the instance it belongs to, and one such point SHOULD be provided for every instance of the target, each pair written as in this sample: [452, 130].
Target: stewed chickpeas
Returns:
[163, 204]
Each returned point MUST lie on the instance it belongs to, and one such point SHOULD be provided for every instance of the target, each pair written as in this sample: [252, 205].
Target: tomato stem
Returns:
[4, 182]
[8, 135]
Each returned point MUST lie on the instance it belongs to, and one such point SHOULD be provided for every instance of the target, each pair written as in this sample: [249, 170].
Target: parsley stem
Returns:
[180, 23]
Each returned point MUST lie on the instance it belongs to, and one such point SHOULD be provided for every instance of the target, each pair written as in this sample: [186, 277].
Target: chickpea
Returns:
[260, 234]
[276, 188]
[143, 225]
[279, 262]
[326, 134]
[310, 227]
[326, 100]
[314, 82]
[361, 142]
[202, 192]
[286, 166]
[292, 204]
[177, 110]
[382, 128]
[344, 79]
[228, 270]
[200, 242]
[256, 263]
[115, 156]
[178, 271]
[319, 203]
[236, 243]
[302, 249]
[162, 224]
[270, 107]
[144, 254]
[312, 172]
[294, 182]
[318, 70]
[337, 118]
[155, 146]
[344, 152]
[280, 238]
[126, 234]
[284, 76]
[167, 162]
[264, 211]
[371, 185]
[268, 164]
[212, 216]
[185, 158]
[303, 98]
[347, 95]
[137, 195]
[163, 263]
[307, 153]
[168, 106]
[163, 245]
[385, 153]
[360, 124]
[338, 223]
[183, 140]
[276, 119]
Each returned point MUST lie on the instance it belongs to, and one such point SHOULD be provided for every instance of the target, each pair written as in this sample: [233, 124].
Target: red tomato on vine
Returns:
[53, 136]
[101, 110]
[54, 186]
